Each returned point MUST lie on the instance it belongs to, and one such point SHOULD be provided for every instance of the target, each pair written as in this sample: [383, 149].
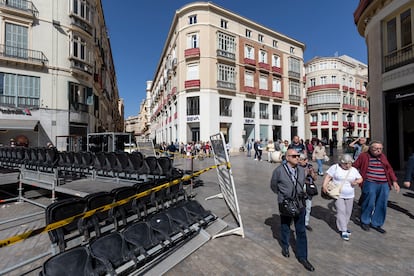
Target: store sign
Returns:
[248, 121]
[193, 118]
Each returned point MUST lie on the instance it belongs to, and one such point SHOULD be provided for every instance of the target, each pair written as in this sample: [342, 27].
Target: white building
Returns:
[336, 103]
[219, 71]
[57, 76]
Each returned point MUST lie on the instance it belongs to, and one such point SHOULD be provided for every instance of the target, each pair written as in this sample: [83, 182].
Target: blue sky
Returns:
[325, 26]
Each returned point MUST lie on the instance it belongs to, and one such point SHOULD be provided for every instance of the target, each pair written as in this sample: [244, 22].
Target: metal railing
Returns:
[399, 58]
[22, 54]
[22, 5]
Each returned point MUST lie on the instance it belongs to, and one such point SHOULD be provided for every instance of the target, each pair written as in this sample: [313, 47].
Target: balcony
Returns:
[335, 123]
[277, 70]
[359, 125]
[249, 62]
[313, 124]
[264, 66]
[21, 8]
[226, 54]
[226, 85]
[349, 107]
[192, 84]
[192, 53]
[264, 116]
[23, 56]
[293, 74]
[399, 58]
[324, 123]
[249, 115]
[323, 87]
[249, 89]
[10, 101]
[265, 92]
[277, 117]
[345, 88]
[361, 93]
[226, 113]
[79, 66]
[294, 98]
[351, 90]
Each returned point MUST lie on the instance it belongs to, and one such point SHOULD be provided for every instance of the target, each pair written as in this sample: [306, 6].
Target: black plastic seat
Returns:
[112, 251]
[197, 212]
[61, 210]
[76, 261]
[163, 227]
[125, 210]
[99, 219]
[140, 238]
[155, 170]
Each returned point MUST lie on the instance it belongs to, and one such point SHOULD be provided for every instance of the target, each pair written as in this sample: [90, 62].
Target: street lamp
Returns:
[350, 127]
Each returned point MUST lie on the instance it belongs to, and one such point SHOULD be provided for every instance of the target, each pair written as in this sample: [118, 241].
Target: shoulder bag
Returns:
[334, 190]
[290, 206]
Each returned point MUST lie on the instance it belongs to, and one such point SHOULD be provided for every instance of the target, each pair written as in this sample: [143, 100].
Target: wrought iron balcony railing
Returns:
[22, 54]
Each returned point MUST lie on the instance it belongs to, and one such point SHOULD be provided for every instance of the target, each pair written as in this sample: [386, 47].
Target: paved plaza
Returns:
[259, 253]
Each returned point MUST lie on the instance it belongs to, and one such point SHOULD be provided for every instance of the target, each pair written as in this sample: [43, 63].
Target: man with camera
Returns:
[287, 182]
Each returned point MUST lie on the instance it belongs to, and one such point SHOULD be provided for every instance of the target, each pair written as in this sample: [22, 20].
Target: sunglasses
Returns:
[294, 155]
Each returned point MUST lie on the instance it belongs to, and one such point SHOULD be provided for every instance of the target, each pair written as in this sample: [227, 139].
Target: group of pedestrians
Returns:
[371, 171]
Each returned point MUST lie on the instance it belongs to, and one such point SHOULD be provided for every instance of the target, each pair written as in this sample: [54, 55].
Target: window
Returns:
[334, 116]
[226, 42]
[324, 116]
[312, 82]
[16, 40]
[263, 82]
[19, 90]
[345, 117]
[192, 41]
[275, 43]
[276, 85]
[359, 119]
[79, 48]
[223, 24]
[333, 79]
[406, 38]
[192, 19]
[226, 73]
[249, 79]
[293, 114]
[292, 50]
[260, 37]
[248, 52]
[263, 111]
[82, 9]
[193, 106]
[323, 80]
[79, 97]
[193, 71]
[391, 35]
[248, 109]
[294, 65]
[263, 56]
[276, 60]
[294, 90]
[248, 33]
[277, 114]
[346, 100]
[314, 117]
[225, 107]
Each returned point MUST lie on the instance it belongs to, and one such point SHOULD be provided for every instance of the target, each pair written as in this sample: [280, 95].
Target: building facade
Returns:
[336, 99]
[219, 71]
[57, 76]
[388, 30]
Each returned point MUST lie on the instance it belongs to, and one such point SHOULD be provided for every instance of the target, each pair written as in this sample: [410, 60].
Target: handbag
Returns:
[311, 188]
[290, 206]
[326, 158]
[334, 190]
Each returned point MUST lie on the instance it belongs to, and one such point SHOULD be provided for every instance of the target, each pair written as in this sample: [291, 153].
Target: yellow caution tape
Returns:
[66, 221]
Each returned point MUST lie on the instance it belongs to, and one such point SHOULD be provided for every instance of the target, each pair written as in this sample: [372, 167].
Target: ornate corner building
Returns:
[57, 76]
[388, 30]
[336, 98]
[219, 71]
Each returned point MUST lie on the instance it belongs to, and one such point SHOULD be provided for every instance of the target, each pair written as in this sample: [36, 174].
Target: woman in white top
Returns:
[348, 177]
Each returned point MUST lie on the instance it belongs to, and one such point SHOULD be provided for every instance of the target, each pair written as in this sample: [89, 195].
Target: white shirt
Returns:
[338, 176]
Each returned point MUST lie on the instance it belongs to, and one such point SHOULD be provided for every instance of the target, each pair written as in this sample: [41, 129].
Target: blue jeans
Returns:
[374, 205]
[301, 241]
[320, 165]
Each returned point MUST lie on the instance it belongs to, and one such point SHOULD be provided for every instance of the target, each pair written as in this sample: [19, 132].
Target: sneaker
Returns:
[345, 236]
[349, 232]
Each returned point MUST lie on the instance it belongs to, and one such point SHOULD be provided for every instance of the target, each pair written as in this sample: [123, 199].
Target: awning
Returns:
[18, 124]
